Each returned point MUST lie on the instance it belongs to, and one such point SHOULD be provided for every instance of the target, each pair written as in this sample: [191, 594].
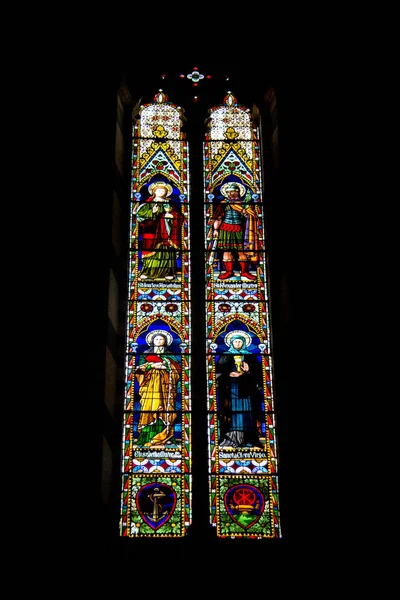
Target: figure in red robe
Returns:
[160, 226]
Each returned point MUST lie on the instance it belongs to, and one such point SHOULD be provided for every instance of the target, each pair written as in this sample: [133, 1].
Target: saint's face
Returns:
[160, 193]
[234, 195]
[159, 340]
[237, 344]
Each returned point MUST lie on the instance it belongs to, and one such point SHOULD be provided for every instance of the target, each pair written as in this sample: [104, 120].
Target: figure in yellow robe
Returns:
[158, 376]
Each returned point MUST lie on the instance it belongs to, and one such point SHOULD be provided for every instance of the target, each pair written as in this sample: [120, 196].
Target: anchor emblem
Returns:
[156, 503]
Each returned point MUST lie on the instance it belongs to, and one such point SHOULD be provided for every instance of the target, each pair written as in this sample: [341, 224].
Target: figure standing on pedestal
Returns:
[158, 375]
[160, 226]
[239, 393]
[235, 229]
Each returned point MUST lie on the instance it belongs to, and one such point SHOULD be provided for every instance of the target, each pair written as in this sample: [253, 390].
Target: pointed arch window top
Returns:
[160, 120]
[230, 121]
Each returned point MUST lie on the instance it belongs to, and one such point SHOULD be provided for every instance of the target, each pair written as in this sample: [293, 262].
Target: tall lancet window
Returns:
[156, 464]
[242, 442]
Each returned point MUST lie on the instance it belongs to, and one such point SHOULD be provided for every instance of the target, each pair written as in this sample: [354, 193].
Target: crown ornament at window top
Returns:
[230, 99]
[160, 97]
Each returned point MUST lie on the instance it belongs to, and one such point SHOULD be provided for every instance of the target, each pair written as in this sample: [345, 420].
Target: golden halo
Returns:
[247, 337]
[240, 186]
[150, 336]
[158, 184]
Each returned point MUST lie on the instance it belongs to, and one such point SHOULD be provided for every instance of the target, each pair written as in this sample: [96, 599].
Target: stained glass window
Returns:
[157, 460]
[243, 466]
[156, 463]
